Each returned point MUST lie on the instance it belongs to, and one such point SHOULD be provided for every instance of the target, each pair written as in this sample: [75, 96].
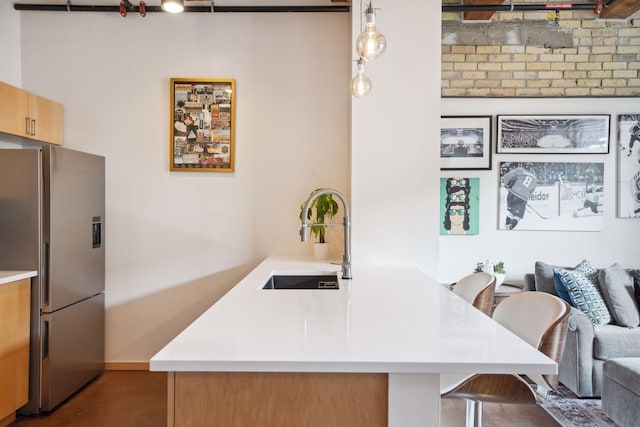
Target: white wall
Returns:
[177, 241]
[394, 166]
[618, 240]
[10, 66]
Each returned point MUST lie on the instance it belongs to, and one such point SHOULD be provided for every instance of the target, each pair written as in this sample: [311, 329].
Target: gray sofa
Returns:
[587, 345]
[621, 391]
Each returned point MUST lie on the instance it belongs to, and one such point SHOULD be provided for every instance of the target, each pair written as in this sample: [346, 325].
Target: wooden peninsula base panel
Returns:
[277, 399]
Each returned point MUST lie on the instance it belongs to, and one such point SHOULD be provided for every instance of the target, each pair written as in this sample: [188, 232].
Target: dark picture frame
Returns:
[465, 142]
[553, 134]
[202, 116]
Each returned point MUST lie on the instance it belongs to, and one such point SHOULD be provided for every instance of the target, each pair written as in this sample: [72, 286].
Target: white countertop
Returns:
[12, 276]
[386, 319]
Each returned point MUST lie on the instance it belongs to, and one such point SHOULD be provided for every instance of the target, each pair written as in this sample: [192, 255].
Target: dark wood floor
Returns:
[114, 399]
[139, 399]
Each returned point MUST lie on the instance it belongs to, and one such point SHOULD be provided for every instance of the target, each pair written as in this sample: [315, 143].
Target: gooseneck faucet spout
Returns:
[346, 223]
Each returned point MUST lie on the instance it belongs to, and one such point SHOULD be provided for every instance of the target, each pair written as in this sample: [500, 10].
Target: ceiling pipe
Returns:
[208, 9]
[523, 7]
[274, 9]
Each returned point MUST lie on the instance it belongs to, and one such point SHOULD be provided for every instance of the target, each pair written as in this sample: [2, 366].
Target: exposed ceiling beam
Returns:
[485, 9]
[480, 16]
[620, 9]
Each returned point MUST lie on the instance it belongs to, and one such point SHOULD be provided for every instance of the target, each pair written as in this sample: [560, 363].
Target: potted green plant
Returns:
[322, 209]
[498, 270]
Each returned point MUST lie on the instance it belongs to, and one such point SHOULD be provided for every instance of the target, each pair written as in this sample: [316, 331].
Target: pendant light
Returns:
[360, 85]
[370, 44]
[173, 6]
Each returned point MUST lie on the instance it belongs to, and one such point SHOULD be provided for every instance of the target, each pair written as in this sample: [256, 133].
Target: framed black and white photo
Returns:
[629, 166]
[568, 134]
[465, 142]
[551, 196]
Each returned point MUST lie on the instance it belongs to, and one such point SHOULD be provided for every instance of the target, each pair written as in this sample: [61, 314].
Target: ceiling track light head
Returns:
[173, 6]
[598, 7]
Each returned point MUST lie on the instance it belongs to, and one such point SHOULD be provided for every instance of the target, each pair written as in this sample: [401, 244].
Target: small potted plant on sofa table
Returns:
[496, 269]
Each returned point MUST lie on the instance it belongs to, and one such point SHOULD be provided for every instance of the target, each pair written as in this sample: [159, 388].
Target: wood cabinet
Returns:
[310, 399]
[30, 116]
[15, 302]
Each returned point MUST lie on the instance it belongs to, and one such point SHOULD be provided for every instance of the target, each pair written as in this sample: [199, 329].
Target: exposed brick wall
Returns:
[540, 54]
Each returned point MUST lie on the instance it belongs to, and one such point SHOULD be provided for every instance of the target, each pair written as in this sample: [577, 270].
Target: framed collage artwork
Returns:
[202, 125]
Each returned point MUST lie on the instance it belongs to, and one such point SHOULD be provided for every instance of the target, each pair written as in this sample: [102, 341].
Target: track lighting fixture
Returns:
[173, 6]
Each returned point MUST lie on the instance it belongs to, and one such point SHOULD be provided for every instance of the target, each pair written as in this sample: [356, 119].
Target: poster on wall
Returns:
[551, 196]
[459, 205]
[629, 166]
[202, 125]
[555, 134]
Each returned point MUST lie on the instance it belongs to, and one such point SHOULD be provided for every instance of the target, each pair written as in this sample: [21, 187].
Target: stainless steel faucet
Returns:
[346, 258]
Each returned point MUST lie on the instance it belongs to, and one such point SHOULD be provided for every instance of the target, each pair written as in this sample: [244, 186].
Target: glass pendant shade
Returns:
[370, 44]
[173, 6]
[360, 85]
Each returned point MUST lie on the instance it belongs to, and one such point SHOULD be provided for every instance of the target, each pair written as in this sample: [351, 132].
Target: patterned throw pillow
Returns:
[582, 286]
[561, 290]
[583, 267]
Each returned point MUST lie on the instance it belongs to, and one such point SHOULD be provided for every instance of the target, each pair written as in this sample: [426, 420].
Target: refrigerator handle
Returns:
[45, 338]
[96, 229]
[45, 279]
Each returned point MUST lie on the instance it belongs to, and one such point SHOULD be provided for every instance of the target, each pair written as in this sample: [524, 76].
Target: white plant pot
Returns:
[499, 278]
[321, 251]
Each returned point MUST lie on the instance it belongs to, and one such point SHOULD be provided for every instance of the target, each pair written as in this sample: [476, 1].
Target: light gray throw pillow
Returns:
[616, 285]
[544, 277]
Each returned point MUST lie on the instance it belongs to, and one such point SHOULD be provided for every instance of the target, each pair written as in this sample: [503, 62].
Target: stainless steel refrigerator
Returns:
[52, 220]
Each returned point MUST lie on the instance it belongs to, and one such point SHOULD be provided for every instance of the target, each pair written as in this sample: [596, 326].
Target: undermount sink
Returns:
[298, 281]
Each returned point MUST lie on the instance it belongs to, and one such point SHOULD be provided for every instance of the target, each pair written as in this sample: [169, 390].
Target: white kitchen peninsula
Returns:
[370, 353]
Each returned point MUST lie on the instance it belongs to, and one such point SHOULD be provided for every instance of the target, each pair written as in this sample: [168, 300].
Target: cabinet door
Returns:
[14, 106]
[48, 119]
[15, 303]
[30, 116]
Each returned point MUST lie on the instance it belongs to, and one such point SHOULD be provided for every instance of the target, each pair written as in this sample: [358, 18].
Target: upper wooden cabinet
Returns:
[30, 116]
